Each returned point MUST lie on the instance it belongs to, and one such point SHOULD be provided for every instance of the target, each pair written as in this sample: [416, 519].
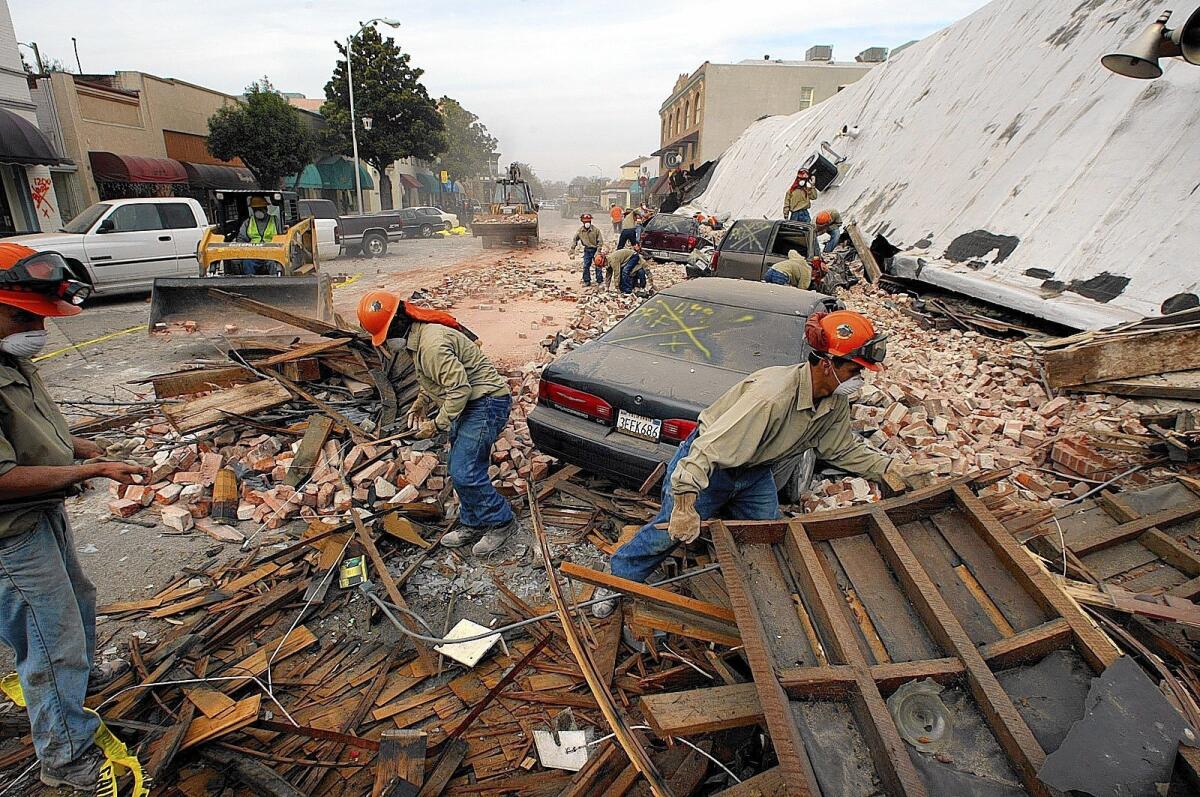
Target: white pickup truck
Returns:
[121, 245]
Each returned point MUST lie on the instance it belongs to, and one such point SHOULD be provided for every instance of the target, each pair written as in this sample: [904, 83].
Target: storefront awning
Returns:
[690, 138]
[110, 168]
[207, 175]
[22, 143]
[409, 181]
[335, 173]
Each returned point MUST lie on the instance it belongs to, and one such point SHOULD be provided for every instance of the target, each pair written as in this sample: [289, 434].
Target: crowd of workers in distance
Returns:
[626, 261]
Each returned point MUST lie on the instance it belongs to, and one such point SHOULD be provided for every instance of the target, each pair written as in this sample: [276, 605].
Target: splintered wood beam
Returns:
[831, 680]
[1106, 538]
[785, 736]
[645, 592]
[1158, 542]
[399, 764]
[1014, 736]
[1026, 646]
[677, 621]
[891, 676]
[1095, 647]
[714, 708]
[888, 749]
[277, 314]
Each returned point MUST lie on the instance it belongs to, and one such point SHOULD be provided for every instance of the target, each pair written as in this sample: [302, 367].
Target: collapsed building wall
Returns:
[1007, 164]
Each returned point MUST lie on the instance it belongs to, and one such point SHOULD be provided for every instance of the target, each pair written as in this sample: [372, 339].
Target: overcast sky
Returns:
[565, 86]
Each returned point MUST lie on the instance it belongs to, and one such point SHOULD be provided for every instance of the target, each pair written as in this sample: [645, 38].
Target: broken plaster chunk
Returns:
[468, 653]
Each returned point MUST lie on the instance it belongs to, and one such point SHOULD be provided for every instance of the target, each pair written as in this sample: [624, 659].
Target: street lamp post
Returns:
[391, 23]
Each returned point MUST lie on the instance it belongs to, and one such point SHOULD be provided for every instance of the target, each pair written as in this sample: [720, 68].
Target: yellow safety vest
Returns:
[263, 236]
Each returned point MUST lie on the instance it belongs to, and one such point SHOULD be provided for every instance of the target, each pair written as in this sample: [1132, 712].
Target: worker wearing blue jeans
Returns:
[738, 493]
[471, 438]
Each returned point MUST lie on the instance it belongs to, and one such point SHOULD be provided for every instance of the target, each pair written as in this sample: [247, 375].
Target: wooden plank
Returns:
[211, 703]
[277, 314]
[772, 783]
[204, 729]
[1183, 385]
[934, 555]
[311, 445]
[827, 680]
[1014, 736]
[871, 269]
[608, 644]
[645, 592]
[875, 722]
[891, 614]
[786, 738]
[302, 351]
[677, 621]
[1027, 646]
[1171, 551]
[256, 663]
[705, 710]
[890, 677]
[1095, 647]
[1112, 357]
[213, 408]
[449, 762]
[399, 764]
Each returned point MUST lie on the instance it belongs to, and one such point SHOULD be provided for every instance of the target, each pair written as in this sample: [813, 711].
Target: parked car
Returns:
[423, 222]
[668, 236]
[449, 219]
[371, 233]
[751, 246]
[121, 245]
[329, 231]
[619, 405]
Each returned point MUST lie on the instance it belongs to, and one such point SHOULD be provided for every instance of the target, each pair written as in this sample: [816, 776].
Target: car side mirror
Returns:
[106, 226]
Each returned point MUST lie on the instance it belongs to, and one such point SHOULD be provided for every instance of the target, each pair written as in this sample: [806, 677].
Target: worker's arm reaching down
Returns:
[442, 367]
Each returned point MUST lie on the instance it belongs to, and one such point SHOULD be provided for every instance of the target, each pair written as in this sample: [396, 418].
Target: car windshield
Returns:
[669, 223]
[84, 221]
[739, 338]
[748, 235]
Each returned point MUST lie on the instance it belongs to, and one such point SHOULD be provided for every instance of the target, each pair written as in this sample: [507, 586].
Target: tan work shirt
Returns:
[451, 370]
[796, 269]
[630, 221]
[620, 257]
[798, 199]
[589, 238]
[768, 416]
[33, 432]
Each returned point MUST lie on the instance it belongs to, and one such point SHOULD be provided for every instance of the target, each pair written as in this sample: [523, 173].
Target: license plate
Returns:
[638, 426]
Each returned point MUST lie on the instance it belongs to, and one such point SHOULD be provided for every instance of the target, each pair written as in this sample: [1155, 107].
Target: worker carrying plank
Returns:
[724, 466]
[47, 603]
[472, 403]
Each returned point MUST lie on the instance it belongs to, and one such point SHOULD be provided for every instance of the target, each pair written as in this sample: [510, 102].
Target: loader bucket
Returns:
[177, 300]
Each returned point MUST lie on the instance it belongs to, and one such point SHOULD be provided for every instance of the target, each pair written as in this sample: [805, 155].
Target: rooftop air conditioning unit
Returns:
[872, 55]
[820, 52]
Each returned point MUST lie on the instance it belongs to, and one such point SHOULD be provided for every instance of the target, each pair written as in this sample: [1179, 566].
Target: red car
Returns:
[670, 237]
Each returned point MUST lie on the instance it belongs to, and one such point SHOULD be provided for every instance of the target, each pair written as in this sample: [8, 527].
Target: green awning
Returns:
[332, 173]
[429, 182]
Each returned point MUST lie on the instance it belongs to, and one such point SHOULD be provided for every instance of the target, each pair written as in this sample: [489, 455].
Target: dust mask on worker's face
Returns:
[24, 344]
[850, 386]
[587, 225]
[260, 214]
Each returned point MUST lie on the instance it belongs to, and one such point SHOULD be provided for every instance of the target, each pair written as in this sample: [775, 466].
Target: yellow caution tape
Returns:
[118, 761]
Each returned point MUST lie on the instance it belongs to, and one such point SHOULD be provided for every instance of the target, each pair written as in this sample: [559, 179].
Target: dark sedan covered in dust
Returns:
[619, 405]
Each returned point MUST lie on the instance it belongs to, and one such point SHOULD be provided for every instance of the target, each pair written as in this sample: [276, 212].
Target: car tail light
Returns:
[712, 264]
[691, 242]
[337, 234]
[678, 429]
[574, 401]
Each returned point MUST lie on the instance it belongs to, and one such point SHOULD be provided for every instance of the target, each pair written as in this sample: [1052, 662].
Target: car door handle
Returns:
[164, 237]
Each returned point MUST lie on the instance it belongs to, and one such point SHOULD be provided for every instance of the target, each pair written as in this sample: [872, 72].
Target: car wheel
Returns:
[375, 245]
[426, 230]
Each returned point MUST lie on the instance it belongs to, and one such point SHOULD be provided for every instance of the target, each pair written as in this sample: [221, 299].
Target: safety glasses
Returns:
[873, 351]
[45, 273]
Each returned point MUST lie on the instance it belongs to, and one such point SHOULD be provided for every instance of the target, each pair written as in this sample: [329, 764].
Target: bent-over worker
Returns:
[724, 466]
[47, 603]
[258, 228]
[793, 270]
[799, 197]
[470, 400]
[829, 222]
[590, 238]
[629, 266]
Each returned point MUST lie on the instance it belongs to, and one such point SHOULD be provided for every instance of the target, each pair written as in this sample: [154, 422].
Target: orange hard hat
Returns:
[38, 282]
[847, 335]
[824, 218]
[376, 310]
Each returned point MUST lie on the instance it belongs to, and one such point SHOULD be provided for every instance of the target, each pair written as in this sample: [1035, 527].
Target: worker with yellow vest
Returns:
[258, 228]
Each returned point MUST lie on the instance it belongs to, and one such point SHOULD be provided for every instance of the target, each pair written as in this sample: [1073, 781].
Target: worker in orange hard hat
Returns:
[47, 603]
[725, 466]
[468, 398]
[829, 222]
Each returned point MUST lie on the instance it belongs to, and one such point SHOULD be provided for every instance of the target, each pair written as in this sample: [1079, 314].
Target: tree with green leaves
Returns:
[387, 88]
[265, 132]
[470, 149]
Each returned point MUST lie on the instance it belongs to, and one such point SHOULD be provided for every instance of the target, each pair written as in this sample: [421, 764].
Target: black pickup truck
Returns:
[367, 234]
[751, 246]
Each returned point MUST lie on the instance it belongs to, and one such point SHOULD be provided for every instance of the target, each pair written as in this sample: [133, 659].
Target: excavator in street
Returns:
[511, 218]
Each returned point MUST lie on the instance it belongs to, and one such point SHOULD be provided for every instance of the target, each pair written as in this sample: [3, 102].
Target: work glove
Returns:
[416, 413]
[426, 430]
[571, 253]
[685, 520]
[901, 476]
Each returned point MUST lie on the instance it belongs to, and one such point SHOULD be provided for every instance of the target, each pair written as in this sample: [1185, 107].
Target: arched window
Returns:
[697, 106]
[687, 114]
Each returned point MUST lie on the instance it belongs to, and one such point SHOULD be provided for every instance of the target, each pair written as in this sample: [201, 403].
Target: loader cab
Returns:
[232, 207]
[513, 196]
